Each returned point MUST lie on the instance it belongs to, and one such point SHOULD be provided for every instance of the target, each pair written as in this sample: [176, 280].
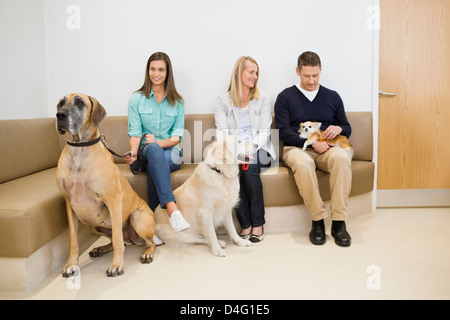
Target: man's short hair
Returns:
[308, 58]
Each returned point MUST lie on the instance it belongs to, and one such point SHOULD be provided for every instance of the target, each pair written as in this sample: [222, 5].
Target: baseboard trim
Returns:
[413, 198]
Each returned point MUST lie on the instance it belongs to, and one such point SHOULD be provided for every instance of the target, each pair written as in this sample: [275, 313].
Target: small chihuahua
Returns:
[311, 131]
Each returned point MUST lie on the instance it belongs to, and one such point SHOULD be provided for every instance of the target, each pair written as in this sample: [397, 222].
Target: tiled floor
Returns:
[395, 254]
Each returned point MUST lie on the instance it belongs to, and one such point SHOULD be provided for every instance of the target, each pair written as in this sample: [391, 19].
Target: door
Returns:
[414, 125]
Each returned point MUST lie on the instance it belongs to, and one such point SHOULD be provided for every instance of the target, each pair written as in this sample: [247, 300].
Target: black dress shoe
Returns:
[317, 233]
[340, 234]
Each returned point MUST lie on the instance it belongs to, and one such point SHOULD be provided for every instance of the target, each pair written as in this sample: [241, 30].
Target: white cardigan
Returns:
[260, 110]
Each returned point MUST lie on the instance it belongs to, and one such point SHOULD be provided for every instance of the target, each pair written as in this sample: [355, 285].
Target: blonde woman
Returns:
[246, 111]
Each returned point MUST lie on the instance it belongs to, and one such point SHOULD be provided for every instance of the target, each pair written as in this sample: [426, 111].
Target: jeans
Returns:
[158, 163]
[250, 210]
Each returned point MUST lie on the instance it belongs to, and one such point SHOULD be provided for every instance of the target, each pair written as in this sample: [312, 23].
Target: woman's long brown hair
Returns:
[171, 92]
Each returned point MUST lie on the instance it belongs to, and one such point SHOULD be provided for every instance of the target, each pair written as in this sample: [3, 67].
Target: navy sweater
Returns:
[292, 108]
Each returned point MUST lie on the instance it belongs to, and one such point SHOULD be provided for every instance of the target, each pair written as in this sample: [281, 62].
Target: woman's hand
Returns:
[149, 138]
[129, 159]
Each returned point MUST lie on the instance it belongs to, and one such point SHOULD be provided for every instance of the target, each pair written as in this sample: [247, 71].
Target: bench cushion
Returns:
[32, 210]
[274, 179]
[32, 213]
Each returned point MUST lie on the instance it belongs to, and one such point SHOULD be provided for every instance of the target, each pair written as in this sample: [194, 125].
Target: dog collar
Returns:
[102, 139]
[84, 144]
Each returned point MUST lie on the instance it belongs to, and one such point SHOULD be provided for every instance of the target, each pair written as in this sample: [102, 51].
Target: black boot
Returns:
[340, 234]
[317, 233]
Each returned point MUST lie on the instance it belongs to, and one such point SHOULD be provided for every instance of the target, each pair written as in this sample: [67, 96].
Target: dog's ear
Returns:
[217, 153]
[97, 112]
[317, 125]
[220, 152]
[227, 154]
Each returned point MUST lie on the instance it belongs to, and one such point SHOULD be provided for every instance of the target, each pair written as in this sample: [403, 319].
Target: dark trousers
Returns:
[250, 210]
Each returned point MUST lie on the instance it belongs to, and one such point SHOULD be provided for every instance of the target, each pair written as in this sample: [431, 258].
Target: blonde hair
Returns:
[235, 87]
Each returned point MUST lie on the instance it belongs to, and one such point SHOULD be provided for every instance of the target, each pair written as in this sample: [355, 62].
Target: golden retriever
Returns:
[208, 197]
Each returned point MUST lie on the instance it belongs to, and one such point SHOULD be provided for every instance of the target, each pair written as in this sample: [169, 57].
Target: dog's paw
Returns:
[99, 251]
[218, 252]
[243, 243]
[96, 252]
[146, 258]
[114, 271]
[70, 271]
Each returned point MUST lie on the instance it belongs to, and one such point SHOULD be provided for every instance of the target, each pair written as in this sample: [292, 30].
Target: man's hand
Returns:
[322, 146]
[332, 132]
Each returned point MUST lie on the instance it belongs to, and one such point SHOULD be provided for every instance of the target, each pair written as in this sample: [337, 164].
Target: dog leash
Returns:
[102, 138]
[138, 156]
[246, 165]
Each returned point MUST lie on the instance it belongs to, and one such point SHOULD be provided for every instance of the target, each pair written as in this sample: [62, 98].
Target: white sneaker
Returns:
[177, 221]
[157, 241]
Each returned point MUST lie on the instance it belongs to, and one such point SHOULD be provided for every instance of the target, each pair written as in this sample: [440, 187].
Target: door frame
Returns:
[375, 98]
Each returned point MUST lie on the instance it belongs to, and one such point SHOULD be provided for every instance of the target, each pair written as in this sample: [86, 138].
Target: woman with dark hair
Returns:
[156, 111]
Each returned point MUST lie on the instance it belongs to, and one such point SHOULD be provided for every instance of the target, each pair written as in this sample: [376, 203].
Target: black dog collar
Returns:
[84, 144]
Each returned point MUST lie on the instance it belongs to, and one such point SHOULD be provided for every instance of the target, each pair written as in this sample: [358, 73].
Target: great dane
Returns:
[96, 192]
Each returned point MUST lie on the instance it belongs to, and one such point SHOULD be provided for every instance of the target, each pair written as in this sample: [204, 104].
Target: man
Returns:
[310, 101]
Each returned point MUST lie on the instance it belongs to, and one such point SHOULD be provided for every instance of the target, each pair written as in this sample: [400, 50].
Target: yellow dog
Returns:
[95, 190]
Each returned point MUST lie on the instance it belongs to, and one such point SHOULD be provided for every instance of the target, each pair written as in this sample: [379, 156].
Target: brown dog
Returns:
[311, 131]
[95, 190]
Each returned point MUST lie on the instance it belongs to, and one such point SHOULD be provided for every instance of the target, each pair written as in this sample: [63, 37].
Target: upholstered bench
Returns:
[33, 221]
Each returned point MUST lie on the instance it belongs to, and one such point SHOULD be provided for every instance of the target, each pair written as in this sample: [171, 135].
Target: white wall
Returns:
[106, 56]
[23, 76]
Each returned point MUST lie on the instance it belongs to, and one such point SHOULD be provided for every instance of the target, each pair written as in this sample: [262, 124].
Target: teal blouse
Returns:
[147, 116]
